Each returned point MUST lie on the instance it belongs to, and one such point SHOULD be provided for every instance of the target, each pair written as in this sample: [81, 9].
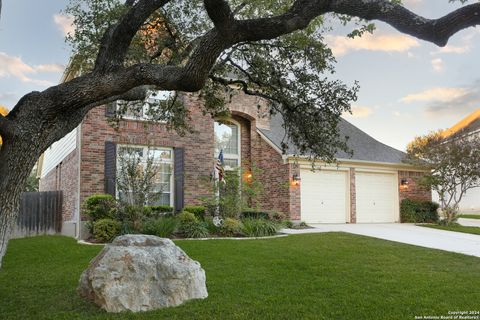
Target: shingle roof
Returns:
[364, 147]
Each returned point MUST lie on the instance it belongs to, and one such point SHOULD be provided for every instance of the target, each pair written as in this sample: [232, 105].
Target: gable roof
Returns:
[468, 124]
[364, 147]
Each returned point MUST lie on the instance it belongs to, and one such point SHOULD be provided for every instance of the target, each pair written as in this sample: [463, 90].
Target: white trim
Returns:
[357, 164]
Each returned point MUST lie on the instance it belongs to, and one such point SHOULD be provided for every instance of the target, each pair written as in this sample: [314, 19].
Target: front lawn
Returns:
[312, 276]
[456, 228]
[470, 216]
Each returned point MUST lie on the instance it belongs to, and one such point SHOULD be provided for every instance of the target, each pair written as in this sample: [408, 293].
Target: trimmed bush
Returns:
[417, 211]
[263, 214]
[159, 210]
[254, 214]
[100, 206]
[231, 227]
[187, 217]
[197, 229]
[163, 227]
[259, 227]
[198, 211]
[105, 230]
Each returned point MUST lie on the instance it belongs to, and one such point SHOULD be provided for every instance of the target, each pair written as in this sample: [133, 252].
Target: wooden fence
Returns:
[40, 213]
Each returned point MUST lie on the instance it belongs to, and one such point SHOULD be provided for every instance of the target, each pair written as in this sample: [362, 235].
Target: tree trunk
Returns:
[17, 158]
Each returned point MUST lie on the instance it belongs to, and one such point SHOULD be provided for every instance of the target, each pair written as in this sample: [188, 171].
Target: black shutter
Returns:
[110, 109]
[110, 167]
[178, 175]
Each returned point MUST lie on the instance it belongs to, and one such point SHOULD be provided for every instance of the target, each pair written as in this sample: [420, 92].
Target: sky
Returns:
[408, 87]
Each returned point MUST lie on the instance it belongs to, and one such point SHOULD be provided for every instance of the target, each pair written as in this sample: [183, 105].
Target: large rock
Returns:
[140, 273]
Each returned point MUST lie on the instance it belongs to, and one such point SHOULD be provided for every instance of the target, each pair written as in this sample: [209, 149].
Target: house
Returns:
[468, 126]
[364, 188]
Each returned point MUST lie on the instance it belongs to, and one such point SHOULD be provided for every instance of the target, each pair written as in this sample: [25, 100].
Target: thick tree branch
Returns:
[220, 13]
[302, 12]
[7, 127]
[117, 39]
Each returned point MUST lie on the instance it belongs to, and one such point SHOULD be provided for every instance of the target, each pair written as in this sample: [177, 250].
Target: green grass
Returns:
[456, 228]
[313, 276]
[470, 216]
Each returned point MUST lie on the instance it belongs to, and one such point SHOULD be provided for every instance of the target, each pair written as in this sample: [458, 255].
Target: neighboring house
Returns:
[364, 188]
[468, 126]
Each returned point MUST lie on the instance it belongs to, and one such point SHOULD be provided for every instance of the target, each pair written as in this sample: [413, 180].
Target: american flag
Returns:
[220, 172]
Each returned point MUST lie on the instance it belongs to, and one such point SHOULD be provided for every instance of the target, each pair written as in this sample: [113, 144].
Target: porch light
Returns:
[403, 184]
[296, 180]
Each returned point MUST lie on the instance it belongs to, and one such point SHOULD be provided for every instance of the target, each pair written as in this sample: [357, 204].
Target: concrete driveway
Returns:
[464, 243]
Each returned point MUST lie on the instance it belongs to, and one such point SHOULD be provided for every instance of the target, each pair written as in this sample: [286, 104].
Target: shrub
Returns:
[163, 227]
[187, 217]
[231, 227]
[105, 230]
[259, 227]
[417, 211]
[211, 227]
[263, 214]
[255, 214]
[100, 206]
[160, 210]
[277, 216]
[132, 217]
[198, 211]
[196, 229]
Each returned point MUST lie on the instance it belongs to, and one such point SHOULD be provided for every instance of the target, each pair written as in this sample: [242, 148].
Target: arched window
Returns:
[227, 138]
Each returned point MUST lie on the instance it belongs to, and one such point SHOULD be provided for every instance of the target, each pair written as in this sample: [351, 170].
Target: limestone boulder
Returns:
[141, 273]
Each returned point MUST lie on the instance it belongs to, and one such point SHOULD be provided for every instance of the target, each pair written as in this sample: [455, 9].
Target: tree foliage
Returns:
[292, 73]
[452, 163]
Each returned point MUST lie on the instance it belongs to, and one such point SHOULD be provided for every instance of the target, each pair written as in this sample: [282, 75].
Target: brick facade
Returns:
[64, 177]
[412, 190]
[280, 191]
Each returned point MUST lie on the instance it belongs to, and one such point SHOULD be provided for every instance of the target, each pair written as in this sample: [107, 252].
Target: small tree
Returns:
[137, 177]
[453, 165]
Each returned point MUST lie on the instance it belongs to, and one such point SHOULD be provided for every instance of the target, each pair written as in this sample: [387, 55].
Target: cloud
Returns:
[453, 49]
[435, 94]
[448, 101]
[15, 67]
[341, 45]
[55, 67]
[437, 65]
[64, 23]
[359, 112]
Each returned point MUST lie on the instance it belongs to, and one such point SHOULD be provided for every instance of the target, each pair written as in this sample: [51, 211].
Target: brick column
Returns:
[353, 197]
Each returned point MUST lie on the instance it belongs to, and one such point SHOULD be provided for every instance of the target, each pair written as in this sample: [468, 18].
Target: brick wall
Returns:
[413, 190]
[64, 177]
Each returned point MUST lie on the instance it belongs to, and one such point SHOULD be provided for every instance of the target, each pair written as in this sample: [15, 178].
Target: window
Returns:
[132, 161]
[143, 110]
[227, 138]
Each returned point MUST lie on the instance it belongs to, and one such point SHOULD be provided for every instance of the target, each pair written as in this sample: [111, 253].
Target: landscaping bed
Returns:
[312, 276]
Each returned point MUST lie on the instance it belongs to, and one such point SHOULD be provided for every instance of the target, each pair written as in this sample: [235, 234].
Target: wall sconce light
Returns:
[296, 180]
[248, 177]
[403, 184]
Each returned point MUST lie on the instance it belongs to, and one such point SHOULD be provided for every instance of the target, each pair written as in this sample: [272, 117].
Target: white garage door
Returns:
[323, 196]
[376, 197]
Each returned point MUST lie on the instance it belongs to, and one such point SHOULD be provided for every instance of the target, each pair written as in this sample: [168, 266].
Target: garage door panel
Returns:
[323, 196]
[375, 197]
